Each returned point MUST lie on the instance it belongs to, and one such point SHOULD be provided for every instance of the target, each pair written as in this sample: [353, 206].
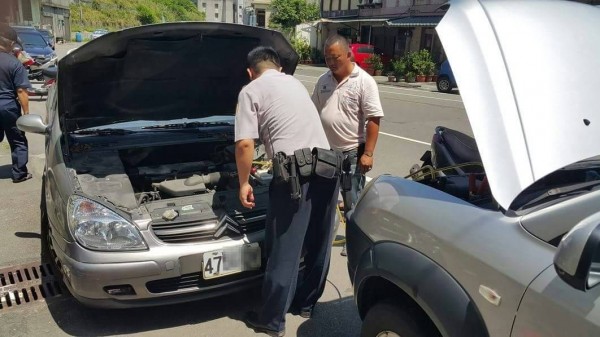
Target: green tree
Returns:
[287, 14]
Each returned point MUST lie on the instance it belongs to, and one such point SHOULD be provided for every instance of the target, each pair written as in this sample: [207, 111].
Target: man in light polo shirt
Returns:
[276, 108]
[348, 102]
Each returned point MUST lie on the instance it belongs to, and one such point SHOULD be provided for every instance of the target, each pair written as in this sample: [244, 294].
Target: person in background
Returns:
[14, 101]
[348, 102]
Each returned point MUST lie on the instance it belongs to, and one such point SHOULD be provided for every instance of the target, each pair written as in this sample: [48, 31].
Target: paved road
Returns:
[411, 115]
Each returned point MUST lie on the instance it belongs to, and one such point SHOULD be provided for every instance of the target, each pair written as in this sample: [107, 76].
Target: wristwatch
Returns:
[368, 154]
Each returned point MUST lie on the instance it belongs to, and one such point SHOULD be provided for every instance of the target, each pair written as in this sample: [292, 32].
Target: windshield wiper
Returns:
[563, 191]
[103, 132]
[191, 125]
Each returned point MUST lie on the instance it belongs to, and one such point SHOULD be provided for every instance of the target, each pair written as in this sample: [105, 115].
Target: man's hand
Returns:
[366, 164]
[244, 150]
[247, 196]
[23, 100]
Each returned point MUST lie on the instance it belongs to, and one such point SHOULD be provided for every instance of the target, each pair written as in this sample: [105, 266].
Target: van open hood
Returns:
[161, 72]
[528, 73]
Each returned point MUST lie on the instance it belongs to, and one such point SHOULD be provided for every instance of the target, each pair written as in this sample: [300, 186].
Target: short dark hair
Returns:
[333, 39]
[260, 55]
[8, 33]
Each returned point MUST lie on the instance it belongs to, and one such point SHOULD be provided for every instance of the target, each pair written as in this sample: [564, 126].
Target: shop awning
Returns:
[416, 21]
[348, 20]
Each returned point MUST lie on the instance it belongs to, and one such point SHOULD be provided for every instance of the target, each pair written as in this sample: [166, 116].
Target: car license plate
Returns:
[231, 260]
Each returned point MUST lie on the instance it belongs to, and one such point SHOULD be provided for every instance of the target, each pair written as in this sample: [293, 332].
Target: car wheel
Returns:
[47, 253]
[44, 223]
[443, 84]
[386, 319]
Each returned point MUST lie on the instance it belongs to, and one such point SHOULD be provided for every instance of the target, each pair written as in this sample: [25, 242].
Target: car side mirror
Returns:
[32, 123]
[577, 260]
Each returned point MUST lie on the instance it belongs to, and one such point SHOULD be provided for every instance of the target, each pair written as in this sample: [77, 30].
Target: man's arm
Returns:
[244, 153]
[366, 160]
[23, 100]
[372, 110]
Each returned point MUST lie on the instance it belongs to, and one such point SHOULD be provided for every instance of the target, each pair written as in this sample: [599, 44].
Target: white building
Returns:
[230, 11]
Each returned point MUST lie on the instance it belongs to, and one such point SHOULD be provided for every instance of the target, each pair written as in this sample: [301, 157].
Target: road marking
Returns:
[403, 138]
[395, 93]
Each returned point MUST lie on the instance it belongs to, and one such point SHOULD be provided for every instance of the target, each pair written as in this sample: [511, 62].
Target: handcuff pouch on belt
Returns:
[327, 163]
[304, 160]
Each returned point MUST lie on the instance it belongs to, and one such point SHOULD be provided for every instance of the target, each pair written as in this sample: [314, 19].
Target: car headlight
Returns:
[98, 228]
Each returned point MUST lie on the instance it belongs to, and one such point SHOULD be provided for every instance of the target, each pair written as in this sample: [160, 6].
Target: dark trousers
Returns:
[16, 140]
[292, 225]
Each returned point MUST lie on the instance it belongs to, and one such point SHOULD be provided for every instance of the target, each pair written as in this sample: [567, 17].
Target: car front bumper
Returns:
[164, 274]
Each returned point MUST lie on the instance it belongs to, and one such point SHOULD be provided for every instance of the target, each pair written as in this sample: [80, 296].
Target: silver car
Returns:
[140, 193]
[500, 237]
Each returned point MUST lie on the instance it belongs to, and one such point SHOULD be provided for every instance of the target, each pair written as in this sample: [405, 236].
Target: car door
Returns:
[552, 308]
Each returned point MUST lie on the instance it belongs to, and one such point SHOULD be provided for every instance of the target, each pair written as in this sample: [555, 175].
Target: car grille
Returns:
[194, 280]
[193, 231]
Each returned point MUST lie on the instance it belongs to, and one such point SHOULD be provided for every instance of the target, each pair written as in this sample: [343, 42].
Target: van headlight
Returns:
[98, 228]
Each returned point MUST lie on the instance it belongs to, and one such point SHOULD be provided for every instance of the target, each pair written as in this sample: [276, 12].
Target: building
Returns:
[229, 11]
[394, 27]
[48, 14]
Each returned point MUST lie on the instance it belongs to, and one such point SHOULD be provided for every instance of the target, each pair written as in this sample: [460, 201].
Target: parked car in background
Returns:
[446, 82]
[49, 37]
[34, 43]
[498, 237]
[139, 192]
[98, 32]
[362, 51]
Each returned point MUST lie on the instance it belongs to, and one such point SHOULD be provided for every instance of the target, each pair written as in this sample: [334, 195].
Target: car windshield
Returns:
[366, 50]
[33, 39]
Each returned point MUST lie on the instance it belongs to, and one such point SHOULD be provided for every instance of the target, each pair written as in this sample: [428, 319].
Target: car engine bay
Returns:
[188, 190]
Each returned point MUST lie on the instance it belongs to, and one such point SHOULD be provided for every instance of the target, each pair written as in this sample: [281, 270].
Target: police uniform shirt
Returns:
[277, 109]
[13, 76]
[345, 106]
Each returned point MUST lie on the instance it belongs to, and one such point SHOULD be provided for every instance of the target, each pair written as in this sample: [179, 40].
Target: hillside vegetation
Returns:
[117, 14]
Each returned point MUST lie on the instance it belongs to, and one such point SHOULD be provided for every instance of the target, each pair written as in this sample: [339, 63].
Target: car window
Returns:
[33, 39]
[365, 50]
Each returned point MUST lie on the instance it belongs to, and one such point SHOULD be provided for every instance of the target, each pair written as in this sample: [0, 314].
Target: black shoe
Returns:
[23, 178]
[343, 252]
[302, 312]
[306, 312]
[251, 321]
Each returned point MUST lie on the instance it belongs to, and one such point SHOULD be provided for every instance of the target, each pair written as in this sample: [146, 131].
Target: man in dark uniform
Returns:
[13, 98]
[277, 109]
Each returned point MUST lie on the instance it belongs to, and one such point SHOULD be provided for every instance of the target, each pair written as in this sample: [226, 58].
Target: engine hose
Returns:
[434, 171]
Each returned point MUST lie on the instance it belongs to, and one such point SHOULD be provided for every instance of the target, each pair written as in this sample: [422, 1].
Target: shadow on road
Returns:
[28, 235]
[78, 320]
[337, 318]
[6, 171]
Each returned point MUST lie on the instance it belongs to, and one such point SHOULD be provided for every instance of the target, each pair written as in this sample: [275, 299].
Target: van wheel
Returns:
[386, 319]
[443, 84]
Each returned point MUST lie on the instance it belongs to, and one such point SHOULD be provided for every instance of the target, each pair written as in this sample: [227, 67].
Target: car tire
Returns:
[443, 84]
[47, 255]
[44, 224]
[386, 319]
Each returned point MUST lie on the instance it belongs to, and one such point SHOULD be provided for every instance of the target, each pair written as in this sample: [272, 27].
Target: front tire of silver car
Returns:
[386, 319]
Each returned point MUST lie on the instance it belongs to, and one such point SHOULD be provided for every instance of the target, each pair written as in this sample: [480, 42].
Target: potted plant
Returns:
[399, 68]
[409, 77]
[374, 65]
[430, 71]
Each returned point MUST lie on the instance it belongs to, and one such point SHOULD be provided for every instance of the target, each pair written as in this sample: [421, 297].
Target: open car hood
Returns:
[528, 73]
[161, 72]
